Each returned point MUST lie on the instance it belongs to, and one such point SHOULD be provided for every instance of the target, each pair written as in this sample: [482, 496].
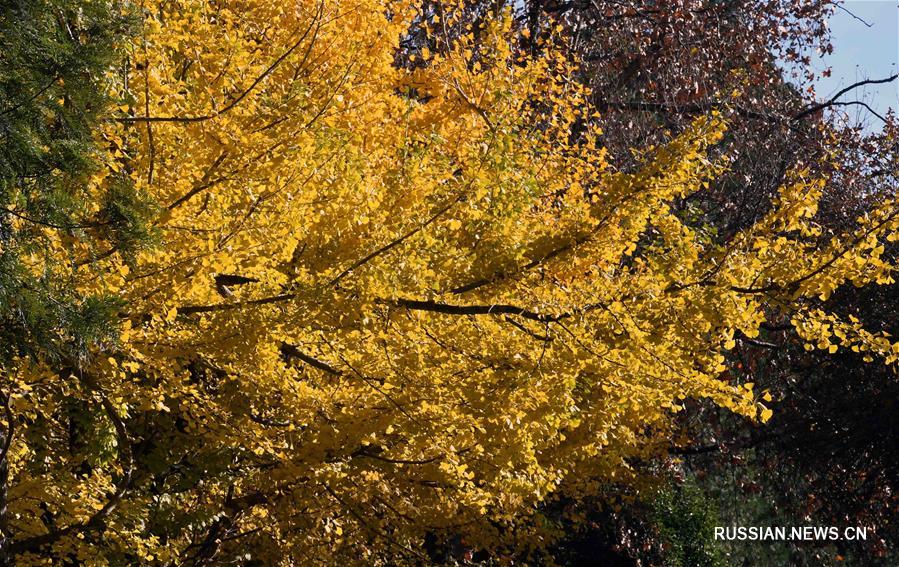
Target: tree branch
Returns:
[394, 243]
[363, 452]
[291, 351]
[496, 309]
[96, 520]
[7, 436]
[236, 101]
[822, 105]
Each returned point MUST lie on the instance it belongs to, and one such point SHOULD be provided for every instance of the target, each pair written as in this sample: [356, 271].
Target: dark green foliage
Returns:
[686, 521]
[53, 55]
[41, 318]
[55, 58]
[123, 218]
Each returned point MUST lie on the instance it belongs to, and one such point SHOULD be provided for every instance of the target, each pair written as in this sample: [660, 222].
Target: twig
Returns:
[236, 101]
[845, 9]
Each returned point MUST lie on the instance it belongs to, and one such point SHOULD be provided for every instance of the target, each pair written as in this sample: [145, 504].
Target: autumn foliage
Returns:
[378, 304]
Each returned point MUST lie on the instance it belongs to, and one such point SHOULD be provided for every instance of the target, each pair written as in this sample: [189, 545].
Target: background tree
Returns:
[653, 66]
[392, 305]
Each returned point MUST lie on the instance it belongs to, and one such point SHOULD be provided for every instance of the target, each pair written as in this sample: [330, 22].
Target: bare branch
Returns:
[291, 351]
[822, 105]
[845, 9]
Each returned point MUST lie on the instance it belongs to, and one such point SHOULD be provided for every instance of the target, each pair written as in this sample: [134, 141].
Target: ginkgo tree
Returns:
[386, 304]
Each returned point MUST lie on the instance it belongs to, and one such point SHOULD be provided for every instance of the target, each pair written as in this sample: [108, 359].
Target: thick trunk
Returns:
[6, 434]
[5, 558]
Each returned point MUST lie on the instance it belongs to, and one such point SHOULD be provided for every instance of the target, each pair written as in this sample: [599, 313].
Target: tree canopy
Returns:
[353, 306]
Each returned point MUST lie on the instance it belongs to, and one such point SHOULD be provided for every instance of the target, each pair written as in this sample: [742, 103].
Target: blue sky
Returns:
[866, 49]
